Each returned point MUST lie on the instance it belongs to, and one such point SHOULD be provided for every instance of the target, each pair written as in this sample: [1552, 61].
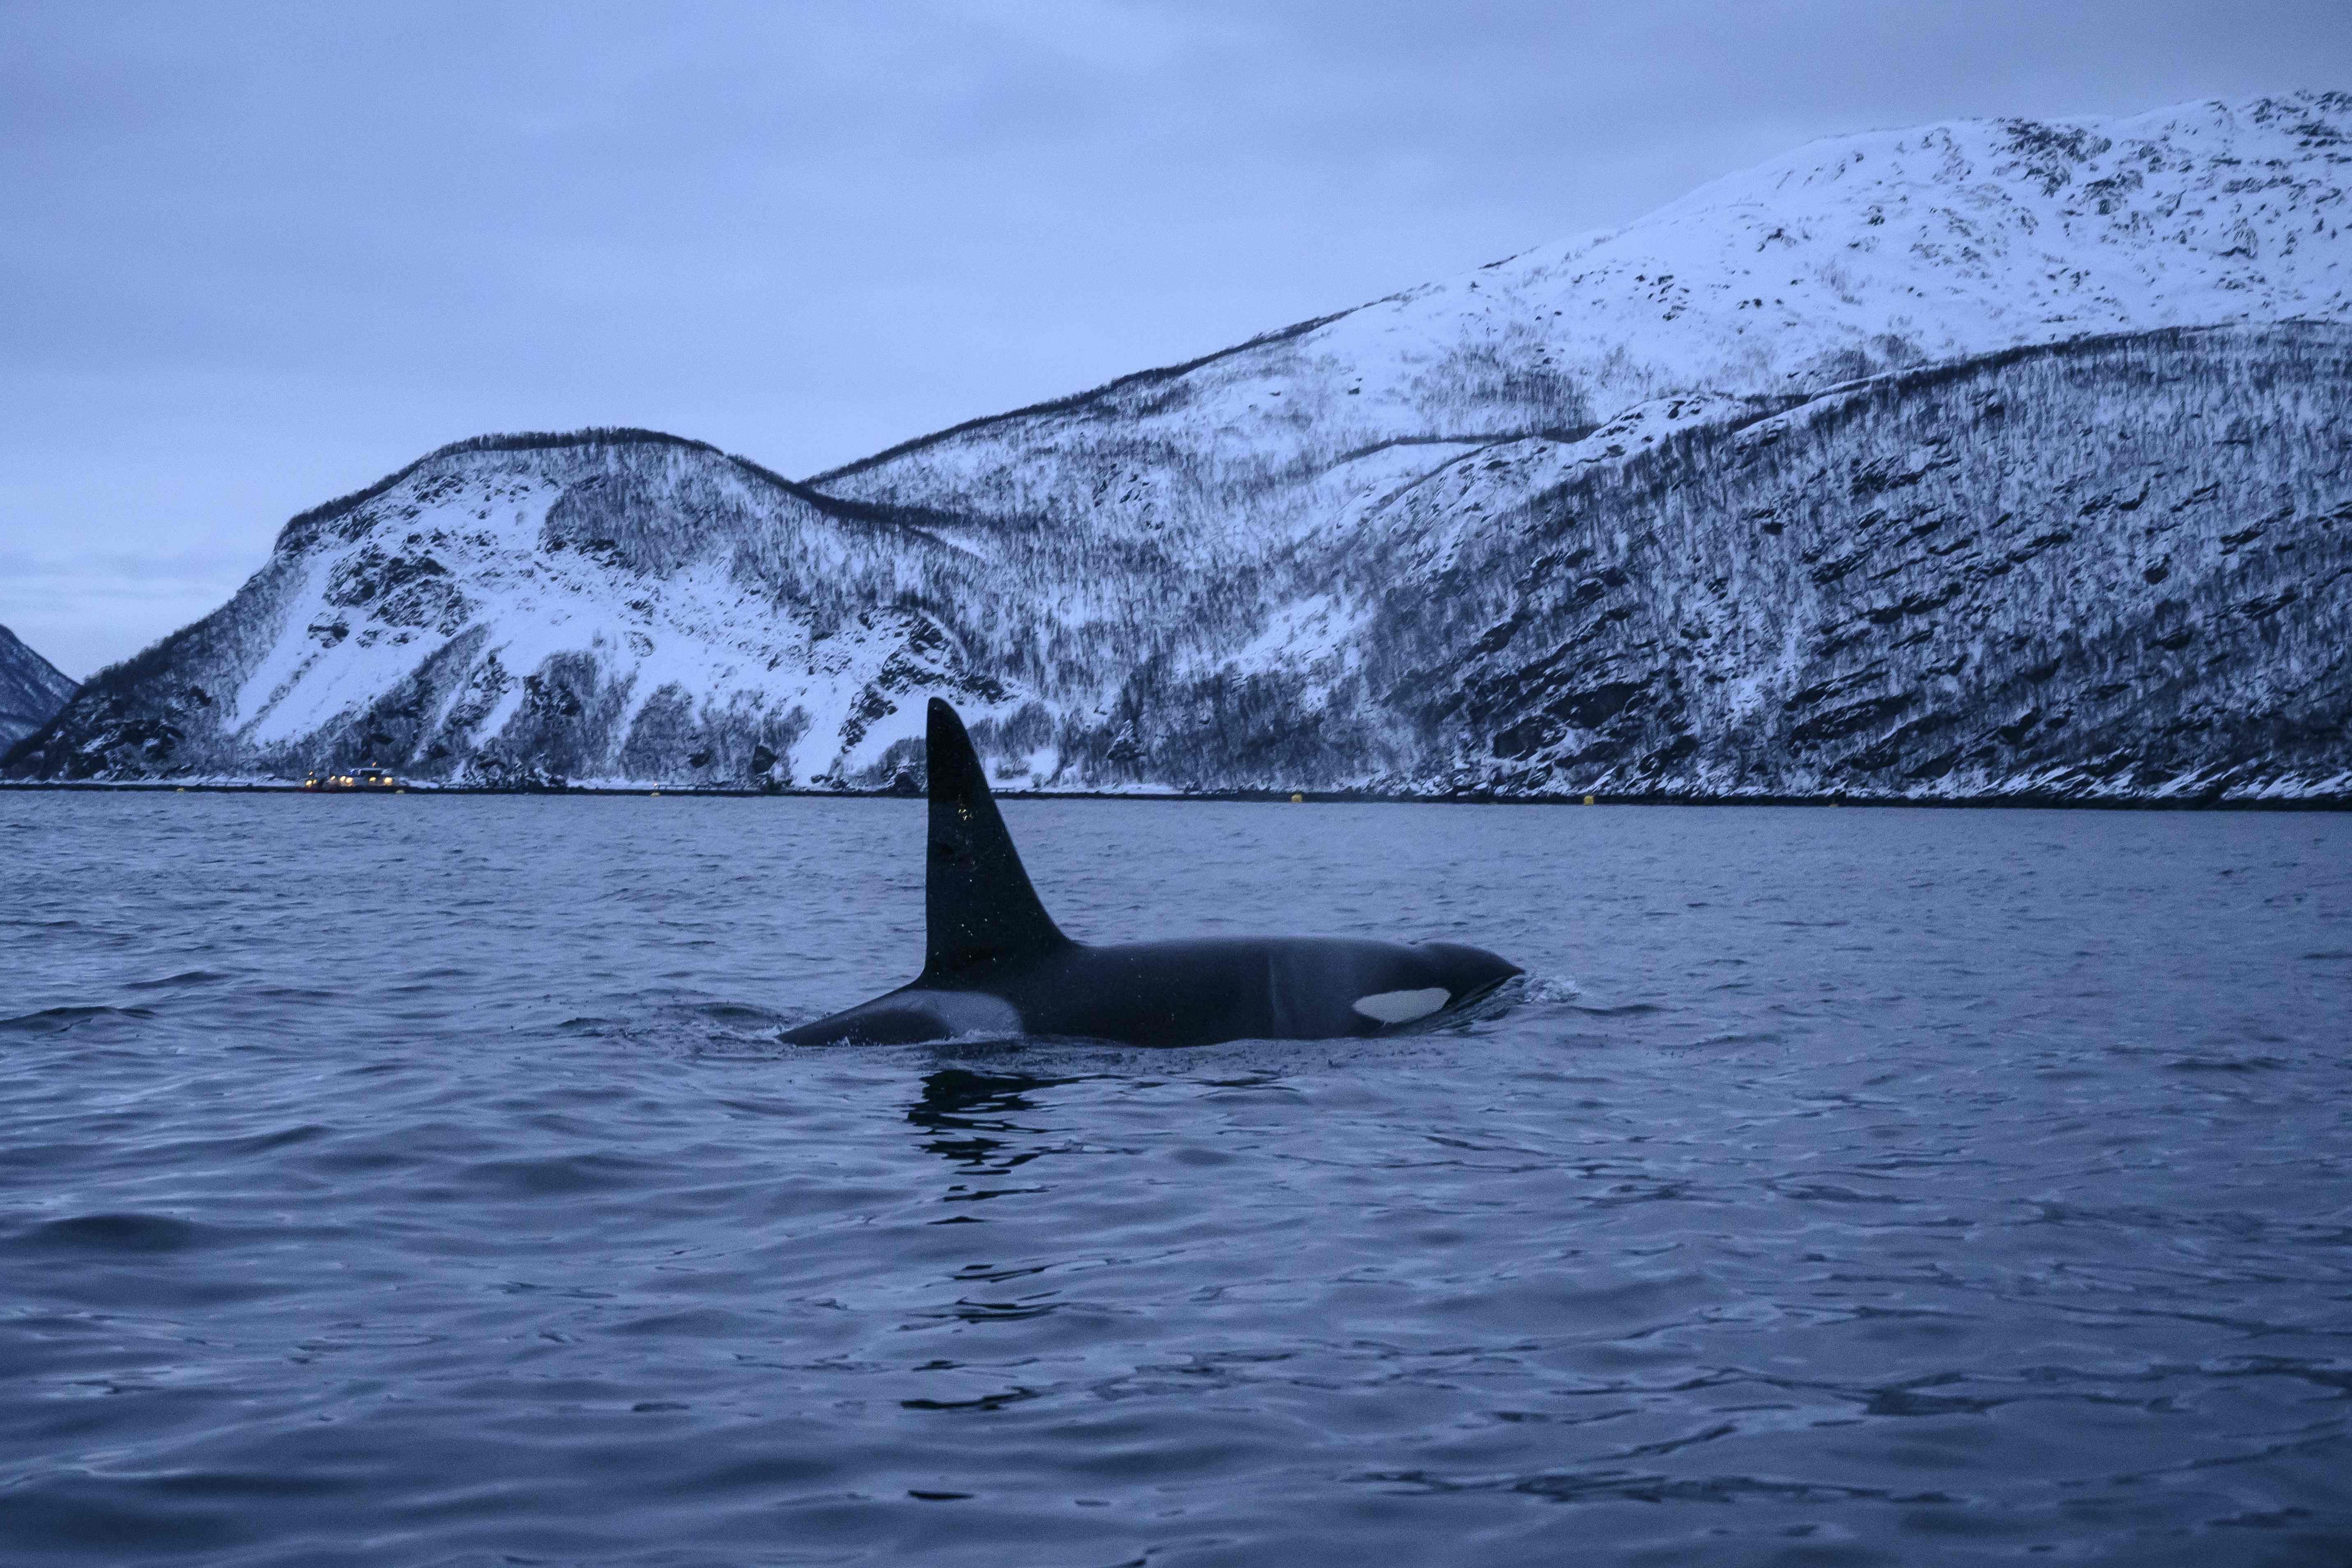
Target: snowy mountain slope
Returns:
[1843, 259]
[31, 690]
[2030, 478]
[2116, 568]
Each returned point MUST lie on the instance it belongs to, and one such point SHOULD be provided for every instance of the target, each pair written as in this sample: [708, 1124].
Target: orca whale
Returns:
[996, 966]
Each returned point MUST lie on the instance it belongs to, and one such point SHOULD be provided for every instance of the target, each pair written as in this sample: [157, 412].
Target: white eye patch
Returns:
[1401, 1006]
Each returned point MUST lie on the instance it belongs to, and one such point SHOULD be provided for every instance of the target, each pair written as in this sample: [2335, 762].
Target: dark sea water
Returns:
[417, 1180]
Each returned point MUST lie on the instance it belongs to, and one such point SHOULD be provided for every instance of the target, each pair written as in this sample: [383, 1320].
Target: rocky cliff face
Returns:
[1987, 459]
[31, 690]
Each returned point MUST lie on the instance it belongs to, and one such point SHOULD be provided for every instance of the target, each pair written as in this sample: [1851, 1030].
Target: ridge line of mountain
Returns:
[1152, 376]
[514, 441]
[600, 434]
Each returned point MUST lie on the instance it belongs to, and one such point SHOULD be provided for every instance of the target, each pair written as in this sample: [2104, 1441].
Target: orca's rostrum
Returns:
[996, 964]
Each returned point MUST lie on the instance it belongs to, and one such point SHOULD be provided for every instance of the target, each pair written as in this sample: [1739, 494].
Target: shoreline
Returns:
[2021, 800]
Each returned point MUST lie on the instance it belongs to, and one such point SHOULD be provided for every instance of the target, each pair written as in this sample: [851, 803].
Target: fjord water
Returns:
[417, 1179]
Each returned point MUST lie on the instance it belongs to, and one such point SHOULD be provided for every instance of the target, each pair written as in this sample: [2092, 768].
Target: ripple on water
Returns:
[59, 1020]
[1885, 1188]
[100, 1236]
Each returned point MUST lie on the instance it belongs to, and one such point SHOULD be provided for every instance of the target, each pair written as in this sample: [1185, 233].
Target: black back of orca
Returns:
[995, 964]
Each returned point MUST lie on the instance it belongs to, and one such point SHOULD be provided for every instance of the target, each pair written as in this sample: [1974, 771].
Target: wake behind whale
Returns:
[995, 962]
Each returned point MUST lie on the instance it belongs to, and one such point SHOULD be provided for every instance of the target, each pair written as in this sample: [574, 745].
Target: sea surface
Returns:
[417, 1180]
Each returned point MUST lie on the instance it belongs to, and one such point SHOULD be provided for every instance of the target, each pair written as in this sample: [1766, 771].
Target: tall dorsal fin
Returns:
[978, 905]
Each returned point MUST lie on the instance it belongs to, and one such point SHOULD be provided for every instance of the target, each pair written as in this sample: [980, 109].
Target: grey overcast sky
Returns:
[255, 256]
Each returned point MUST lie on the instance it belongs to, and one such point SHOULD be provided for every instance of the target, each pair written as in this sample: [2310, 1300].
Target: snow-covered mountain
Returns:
[31, 690]
[1844, 258]
[614, 603]
[1985, 458]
